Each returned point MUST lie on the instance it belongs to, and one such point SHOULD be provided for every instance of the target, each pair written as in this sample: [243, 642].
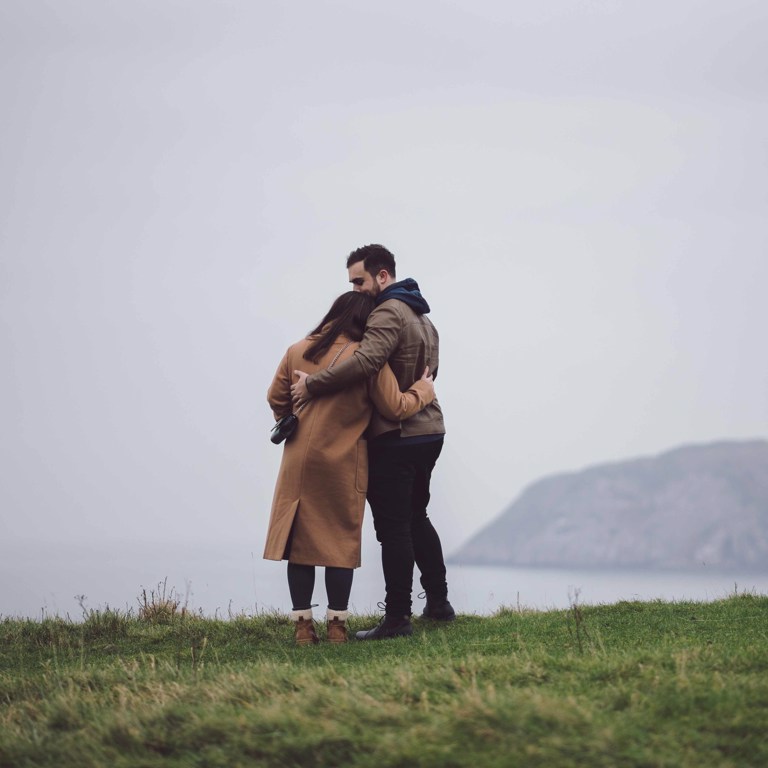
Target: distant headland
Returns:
[692, 506]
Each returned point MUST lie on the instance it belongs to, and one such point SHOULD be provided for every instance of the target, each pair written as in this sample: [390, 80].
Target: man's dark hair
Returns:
[374, 258]
[347, 315]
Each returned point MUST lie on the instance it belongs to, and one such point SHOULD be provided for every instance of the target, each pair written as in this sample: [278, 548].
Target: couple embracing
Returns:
[369, 424]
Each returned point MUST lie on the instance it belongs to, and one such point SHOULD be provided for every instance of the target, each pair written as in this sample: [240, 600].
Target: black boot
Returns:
[439, 609]
[389, 626]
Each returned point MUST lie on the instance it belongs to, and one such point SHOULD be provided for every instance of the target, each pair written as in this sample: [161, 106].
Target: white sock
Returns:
[340, 615]
[306, 614]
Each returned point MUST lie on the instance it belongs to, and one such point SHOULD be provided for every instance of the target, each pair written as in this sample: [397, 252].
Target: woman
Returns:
[317, 510]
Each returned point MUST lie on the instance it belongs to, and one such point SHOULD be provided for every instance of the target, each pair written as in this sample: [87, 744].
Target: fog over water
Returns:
[225, 583]
[578, 187]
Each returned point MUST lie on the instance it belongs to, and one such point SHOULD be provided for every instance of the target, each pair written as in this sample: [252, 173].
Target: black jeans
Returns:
[398, 492]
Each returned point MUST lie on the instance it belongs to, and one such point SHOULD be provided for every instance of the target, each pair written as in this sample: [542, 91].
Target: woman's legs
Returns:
[338, 585]
[301, 584]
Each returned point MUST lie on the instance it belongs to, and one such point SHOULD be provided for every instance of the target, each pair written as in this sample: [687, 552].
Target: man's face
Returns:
[362, 281]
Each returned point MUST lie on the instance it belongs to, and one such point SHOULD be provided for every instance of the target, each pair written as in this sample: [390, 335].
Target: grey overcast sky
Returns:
[578, 186]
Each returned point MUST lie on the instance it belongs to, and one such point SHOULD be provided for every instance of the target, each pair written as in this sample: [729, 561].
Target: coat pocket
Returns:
[361, 466]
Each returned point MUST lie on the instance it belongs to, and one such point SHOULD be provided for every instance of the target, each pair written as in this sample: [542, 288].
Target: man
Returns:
[401, 455]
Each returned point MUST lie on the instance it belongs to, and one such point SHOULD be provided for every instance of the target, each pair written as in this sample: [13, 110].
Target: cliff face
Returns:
[694, 505]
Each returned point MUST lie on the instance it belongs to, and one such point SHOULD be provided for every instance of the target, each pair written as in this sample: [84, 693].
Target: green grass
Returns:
[631, 684]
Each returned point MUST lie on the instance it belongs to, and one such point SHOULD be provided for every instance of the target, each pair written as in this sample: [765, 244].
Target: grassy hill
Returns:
[631, 684]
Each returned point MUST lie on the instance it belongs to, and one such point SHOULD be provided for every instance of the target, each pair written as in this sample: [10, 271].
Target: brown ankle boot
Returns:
[304, 628]
[337, 626]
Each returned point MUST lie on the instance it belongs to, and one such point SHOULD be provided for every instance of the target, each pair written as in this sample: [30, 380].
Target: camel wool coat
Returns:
[319, 497]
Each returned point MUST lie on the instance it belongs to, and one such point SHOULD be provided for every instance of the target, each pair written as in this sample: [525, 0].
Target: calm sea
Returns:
[56, 581]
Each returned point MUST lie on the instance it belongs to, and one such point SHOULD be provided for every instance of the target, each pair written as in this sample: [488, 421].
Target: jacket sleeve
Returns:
[393, 404]
[279, 392]
[381, 337]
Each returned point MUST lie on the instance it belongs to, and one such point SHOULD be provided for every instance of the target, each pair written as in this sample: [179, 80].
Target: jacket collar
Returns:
[408, 292]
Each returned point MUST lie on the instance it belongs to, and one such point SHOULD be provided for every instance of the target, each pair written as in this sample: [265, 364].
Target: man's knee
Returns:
[392, 531]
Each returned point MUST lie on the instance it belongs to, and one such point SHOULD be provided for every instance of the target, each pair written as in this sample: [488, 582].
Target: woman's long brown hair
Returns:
[347, 315]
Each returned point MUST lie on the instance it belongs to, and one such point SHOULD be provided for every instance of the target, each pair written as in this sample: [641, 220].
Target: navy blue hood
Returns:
[407, 291]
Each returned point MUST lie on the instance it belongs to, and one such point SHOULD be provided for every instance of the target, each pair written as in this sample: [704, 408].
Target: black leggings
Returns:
[301, 583]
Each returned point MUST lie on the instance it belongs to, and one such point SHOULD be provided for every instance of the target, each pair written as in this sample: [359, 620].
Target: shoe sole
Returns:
[385, 637]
